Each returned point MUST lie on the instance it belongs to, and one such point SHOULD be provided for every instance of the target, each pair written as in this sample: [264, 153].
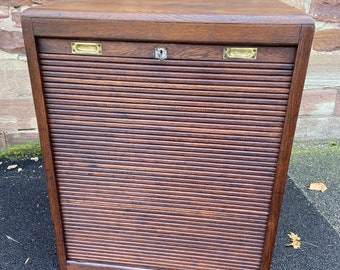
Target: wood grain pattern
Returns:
[174, 164]
[40, 108]
[182, 52]
[175, 32]
[298, 80]
[192, 184]
[214, 11]
[73, 265]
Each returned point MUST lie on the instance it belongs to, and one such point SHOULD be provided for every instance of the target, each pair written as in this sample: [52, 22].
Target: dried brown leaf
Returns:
[11, 167]
[318, 187]
[295, 240]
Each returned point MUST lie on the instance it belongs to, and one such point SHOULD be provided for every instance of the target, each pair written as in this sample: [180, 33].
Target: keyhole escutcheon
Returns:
[161, 53]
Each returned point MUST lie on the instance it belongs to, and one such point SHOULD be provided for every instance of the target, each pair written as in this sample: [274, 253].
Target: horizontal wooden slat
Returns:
[233, 130]
[200, 142]
[124, 67]
[205, 90]
[240, 196]
[247, 93]
[232, 233]
[232, 256]
[164, 199]
[105, 168]
[179, 139]
[243, 229]
[230, 109]
[165, 250]
[224, 229]
[220, 100]
[119, 234]
[112, 95]
[190, 169]
[77, 265]
[198, 249]
[160, 82]
[145, 182]
[155, 144]
[179, 52]
[147, 64]
[158, 261]
[182, 223]
[170, 115]
[248, 226]
[172, 121]
[168, 162]
[124, 112]
[103, 172]
[135, 151]
[182, 127]
[231, 139]
[160, 31]
[165, 77]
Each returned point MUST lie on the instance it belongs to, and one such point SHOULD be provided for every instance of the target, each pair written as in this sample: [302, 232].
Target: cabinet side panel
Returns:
[37, 90]
[294, 100]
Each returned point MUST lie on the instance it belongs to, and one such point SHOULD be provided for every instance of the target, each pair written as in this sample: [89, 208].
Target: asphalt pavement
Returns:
[27, 237]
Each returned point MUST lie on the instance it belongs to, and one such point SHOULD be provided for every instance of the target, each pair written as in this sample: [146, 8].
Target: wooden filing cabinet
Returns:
[166, 128]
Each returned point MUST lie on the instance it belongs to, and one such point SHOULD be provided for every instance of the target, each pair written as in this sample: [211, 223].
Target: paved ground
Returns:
[319, 163]
[25, 216]
[26, 230]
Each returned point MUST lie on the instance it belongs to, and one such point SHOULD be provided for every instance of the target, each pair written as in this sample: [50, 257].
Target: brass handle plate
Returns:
[91, 48]
[240, 53]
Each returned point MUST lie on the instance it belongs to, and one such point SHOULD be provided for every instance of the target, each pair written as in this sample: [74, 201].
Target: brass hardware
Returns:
[86, 48]
[240, 53]
[161, 53]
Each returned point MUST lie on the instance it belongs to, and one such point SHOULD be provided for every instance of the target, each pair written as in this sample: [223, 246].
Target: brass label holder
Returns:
[87, 48]
[239, 53]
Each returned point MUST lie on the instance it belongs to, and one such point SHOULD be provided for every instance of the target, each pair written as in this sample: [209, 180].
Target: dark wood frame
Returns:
[298, 34]
[300, 69]
[40, 108]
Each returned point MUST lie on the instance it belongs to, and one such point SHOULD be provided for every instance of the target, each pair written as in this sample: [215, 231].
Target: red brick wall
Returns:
[320, 111]
[17, 117]
[320, 108]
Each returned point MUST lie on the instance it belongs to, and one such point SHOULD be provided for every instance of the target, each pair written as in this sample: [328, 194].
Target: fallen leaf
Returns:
[318, 186]
[27, 260]
[19, 169]
[35, 158]
[295, 240]
[11, 167]
[12, 239]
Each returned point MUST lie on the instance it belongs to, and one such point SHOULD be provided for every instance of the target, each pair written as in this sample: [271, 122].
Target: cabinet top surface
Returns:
[219, 11]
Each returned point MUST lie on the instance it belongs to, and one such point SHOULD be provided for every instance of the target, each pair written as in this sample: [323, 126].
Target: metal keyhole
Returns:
[161, 53]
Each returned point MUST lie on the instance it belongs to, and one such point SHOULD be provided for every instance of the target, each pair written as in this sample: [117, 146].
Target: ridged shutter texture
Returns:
[165, 165]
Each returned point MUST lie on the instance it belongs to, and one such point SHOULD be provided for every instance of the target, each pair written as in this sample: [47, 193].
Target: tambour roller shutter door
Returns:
[165, 164]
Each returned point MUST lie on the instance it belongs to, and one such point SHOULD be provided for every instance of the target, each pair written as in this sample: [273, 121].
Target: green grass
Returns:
[21, 151]
[315, 148]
